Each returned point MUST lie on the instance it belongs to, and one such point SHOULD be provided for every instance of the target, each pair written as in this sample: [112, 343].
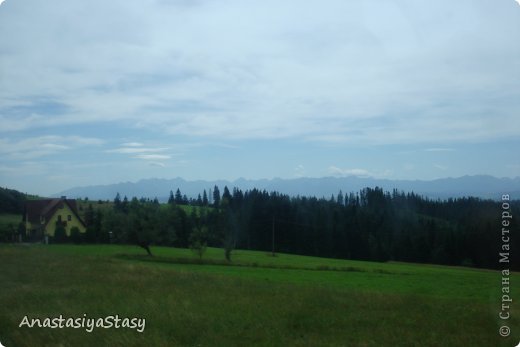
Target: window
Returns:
[69, 217]
[59, 218]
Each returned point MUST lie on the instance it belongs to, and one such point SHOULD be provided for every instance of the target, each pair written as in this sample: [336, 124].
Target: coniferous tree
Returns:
[216, 196]
[340, 198]
[226, 195]
[178, 197]
[117, 203]
[124, 205]
[368, 225]
[205, 198]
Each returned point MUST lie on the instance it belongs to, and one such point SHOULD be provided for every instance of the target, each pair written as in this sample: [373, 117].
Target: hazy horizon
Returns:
[99, 93]
[272, 179]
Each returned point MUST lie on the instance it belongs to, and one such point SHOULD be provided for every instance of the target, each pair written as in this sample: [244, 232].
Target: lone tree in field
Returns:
[143, 223]
[199, 240]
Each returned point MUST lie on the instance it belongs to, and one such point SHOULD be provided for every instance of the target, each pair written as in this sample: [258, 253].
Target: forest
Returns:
[371, 224]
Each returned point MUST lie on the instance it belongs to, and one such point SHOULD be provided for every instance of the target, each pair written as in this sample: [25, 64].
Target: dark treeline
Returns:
[369, 225]
[12, 201]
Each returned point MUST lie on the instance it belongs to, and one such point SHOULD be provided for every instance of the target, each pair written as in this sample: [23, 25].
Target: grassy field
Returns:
[256, 300]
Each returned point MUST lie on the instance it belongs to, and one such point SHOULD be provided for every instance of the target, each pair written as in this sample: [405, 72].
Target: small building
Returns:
[42, 216]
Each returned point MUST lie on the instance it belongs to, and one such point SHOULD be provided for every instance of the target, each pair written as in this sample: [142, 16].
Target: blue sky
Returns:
[99, 92]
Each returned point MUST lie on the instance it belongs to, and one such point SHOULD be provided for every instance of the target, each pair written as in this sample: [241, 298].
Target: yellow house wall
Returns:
[65, 211]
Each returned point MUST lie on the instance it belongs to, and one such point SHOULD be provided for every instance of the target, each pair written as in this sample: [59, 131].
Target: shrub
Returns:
[75, 235]
[60, 235]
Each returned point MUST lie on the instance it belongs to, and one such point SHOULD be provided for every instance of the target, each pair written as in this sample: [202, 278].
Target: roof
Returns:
[36, 209]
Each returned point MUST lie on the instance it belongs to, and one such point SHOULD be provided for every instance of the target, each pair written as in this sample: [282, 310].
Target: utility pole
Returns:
[272, 238]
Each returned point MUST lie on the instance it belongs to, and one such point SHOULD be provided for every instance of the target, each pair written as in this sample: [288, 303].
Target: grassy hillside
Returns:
[257, 300]
[12, 201]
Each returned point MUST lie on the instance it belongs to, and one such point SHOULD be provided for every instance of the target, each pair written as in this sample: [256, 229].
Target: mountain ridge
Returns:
[482, 186]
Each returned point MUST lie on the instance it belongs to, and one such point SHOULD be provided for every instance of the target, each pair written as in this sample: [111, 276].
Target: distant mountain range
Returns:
[482, 186]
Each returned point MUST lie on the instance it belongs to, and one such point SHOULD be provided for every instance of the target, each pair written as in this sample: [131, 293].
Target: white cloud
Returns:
[440, 167]
[36, 147]
[140, 151]
[132, 144]
[408, 167]
[439, 149]
[84, 141]
[348, 72]
[152, 156]
[132, 150]
[158, 164]
[26, 168]
[299, 171]
[336, 171]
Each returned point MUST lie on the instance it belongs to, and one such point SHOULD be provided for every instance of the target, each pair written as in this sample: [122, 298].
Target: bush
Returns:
[75, 235]
[60, 235]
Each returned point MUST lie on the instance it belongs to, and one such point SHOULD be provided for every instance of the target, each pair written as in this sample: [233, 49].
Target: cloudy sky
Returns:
[99, 92]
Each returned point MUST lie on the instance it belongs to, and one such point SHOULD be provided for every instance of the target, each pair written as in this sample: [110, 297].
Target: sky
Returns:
[100, 92]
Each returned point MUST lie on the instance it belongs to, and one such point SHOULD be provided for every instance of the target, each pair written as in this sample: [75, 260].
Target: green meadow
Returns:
[255, 300]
